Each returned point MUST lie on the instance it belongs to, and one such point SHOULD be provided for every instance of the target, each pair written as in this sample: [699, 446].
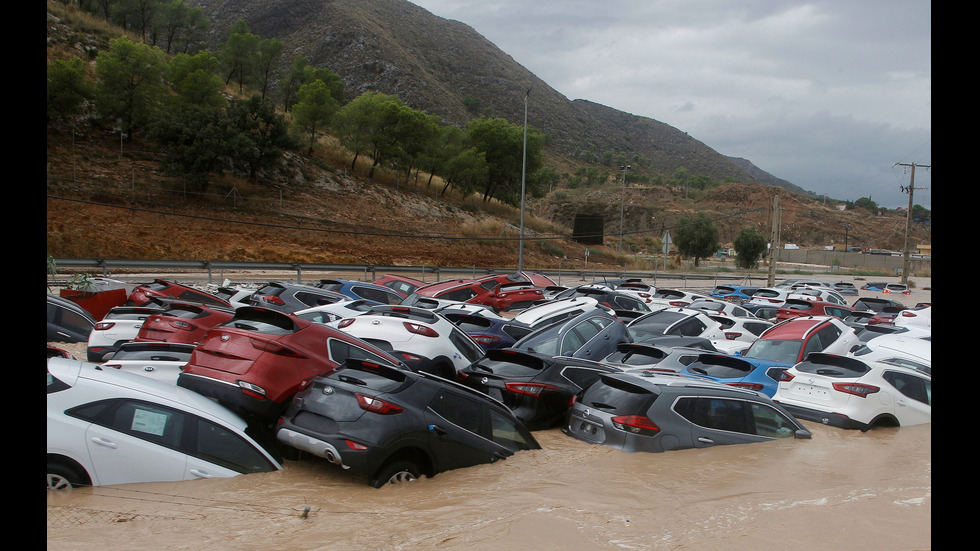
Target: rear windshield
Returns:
[782, 351]
[721, 367]
[267, 322]
[832, 366]
[766, 293]
[512, 365]
[654, 324]
[636, 355]
[614, 396]
[152, 354]
[365, 375]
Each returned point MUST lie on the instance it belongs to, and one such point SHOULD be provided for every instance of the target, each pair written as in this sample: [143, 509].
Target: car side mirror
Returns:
[803, 434]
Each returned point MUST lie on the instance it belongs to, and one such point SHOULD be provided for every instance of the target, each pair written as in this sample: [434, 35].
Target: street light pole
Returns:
[520, 254]
[622, 204]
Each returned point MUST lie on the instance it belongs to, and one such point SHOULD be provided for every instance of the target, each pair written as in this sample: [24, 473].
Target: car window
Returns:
[313, 299]
[68, 318]
[461, 411]
[340, 351]
[909, 385]
[200, 297]
[461, 295]
[619, 397]
[220, 446]
[466, 346]
[770, 422]
[715, 413]
[782, 351]
[505, 432]
[691, 327]
[377, 295]
[150, 422]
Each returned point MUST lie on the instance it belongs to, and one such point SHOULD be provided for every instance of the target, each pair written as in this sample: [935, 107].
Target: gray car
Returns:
[659, 412]
[292, 297]
[591, 335]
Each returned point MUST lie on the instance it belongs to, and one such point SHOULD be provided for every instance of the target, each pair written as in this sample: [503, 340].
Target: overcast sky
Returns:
[826, 94]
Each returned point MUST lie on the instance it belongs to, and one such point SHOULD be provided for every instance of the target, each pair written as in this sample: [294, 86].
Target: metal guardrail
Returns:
[214, 269]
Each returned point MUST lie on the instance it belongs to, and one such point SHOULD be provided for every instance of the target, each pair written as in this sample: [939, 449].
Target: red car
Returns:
[501, 291]
[163, 289]
[254, 363]
[402, 285]
[793, 308]
[183, 322]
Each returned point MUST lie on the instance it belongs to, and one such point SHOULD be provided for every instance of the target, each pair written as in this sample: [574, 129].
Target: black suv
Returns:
[389, 425]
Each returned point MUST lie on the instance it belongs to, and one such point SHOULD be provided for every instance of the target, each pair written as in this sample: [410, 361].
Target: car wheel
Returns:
[396, 472]
[62, 477]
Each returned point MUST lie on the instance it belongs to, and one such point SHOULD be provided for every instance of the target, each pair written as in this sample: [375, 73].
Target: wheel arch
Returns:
[71, 464]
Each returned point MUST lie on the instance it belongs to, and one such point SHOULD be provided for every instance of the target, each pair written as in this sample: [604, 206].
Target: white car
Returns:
[824, 295]
[716, 306]
[742, 329]
[157, 360]
[121, 324]
[849, 393]
[110, 427]
[235, 295]
[326, 313]
[556, 310]
[915, 317]
[439, 345]
[769, 296]
[673, 297]
[898, 348]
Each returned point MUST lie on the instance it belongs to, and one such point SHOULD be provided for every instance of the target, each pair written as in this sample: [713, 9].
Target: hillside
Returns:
[314, 211]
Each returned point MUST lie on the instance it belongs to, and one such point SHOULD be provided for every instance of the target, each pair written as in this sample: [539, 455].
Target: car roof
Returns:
[660, 382]
[71, 371]
[795, 328]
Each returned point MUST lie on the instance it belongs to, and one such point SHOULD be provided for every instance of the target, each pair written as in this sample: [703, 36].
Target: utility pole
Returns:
[773, 240]
[520, 253]
[908, 217]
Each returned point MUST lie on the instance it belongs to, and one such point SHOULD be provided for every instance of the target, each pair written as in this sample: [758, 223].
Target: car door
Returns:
[717, 421]
[458, 429]
[913, 404]
[136, 441]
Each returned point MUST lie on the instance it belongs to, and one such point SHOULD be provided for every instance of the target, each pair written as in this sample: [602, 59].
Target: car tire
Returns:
[395, 472]
[64, 477]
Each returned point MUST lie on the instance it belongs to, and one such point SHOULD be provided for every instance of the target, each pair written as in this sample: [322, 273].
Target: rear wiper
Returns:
[602, 405]
[828, 372]
[351, 380]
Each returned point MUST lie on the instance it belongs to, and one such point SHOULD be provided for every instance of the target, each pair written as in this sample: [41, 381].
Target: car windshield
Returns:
[783, 351]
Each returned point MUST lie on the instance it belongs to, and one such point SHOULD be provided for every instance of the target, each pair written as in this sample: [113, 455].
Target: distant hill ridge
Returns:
[433, 63]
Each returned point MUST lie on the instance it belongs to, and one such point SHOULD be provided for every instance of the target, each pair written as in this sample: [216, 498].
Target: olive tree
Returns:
[750, 245]
[697, 237]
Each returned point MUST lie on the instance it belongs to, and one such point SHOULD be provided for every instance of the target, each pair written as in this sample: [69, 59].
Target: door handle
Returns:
[103, 442]
[199, 473]
[704, 440]
[437, 429]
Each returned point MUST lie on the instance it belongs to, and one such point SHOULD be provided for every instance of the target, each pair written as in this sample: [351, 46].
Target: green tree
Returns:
[239, 54]
[194, 79]
[258, 135]
[68, 88]
[196, 137]
[314, 109]
[697, 237]
[269, 52]
[130, 82]
[867, 204]
[502, 144]
[749, 246]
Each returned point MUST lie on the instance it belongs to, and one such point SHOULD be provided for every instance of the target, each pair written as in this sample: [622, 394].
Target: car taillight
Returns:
[420, 329]
[272, 299]
[274, 347]
[636, 424]
[905, 314]
[856, 389]
[680, 303]
[750, 386]
[254, 391]
[180, 324]
[530, 389]
[103, 325]
[785, 377]
[376, 405]
[485, 339]
[732, 335]
[355, 445]
[345, 323]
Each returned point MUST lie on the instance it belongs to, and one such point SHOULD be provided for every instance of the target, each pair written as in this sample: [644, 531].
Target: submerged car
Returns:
[657, 412]
[67, 321]
[172, 290]
[378, 294]
[536, 387]
[109, 427]
[256, 361]
[120, 325]
[795, 307]
[748, 373]
[850, 393]
[291, 297]
[162, 361]
[184, 322]
[389, 425]
[679, 322]
[790, 341]
[735, 293]
[420, 338]
[591, 335]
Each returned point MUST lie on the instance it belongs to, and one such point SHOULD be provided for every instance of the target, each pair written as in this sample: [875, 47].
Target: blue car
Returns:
[377, 294]
[733, 292]
[488, 332]
[744, 372]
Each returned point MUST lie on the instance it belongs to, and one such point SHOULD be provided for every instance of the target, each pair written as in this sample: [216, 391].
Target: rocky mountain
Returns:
[433, 63]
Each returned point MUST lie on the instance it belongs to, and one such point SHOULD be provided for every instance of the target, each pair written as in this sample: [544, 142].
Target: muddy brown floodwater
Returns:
[839, 490]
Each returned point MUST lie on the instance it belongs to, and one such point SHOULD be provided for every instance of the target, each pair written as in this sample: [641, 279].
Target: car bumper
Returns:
[232, 397]
[333, 448]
